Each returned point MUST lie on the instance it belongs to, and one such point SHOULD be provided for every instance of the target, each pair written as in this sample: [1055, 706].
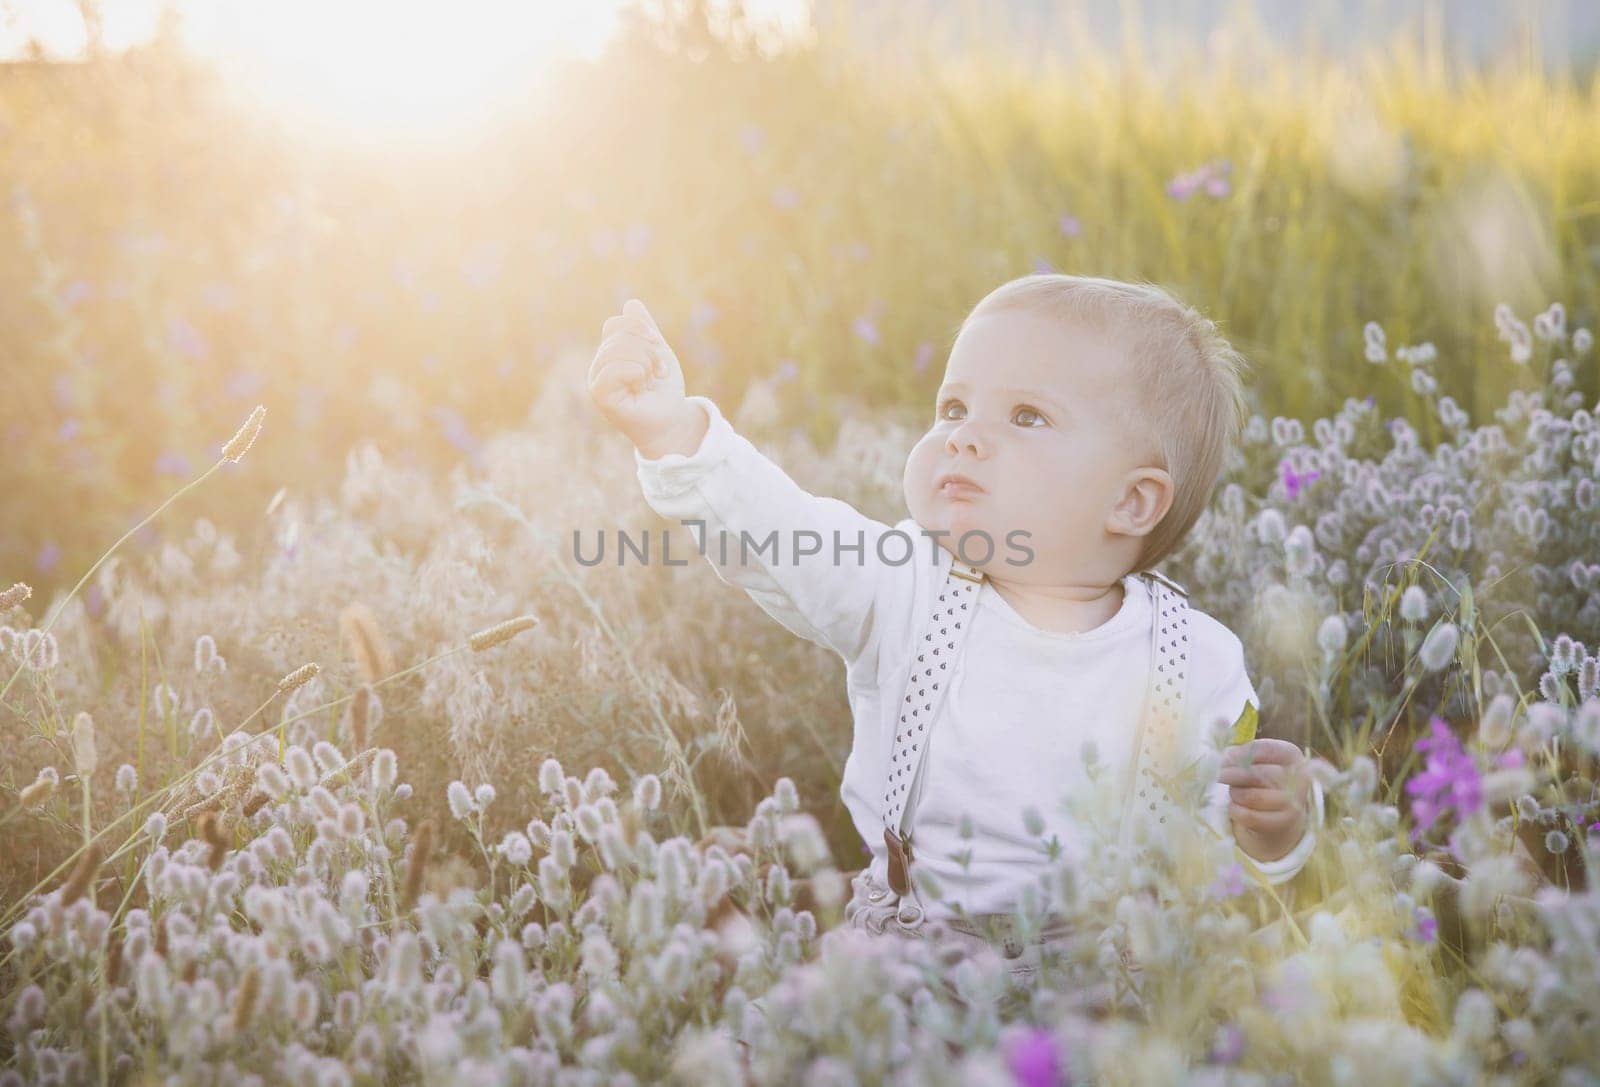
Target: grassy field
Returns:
[430, 856]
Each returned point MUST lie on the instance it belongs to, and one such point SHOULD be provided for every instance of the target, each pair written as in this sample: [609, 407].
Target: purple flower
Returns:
[1228, 1046]
[1449, 782]
[1510, 758]
[1070, 226]
[1218, 187]
[173, 464]
[47, 558]
[1034, 1061]
[924, 356]
[866, 329]
[1042, 266]
[1424, 926]
[1230, 884]
[788, 370]
[1293, 481]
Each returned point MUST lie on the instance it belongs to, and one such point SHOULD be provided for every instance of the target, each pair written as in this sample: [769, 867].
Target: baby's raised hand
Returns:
[637, 383]
[1269, 796]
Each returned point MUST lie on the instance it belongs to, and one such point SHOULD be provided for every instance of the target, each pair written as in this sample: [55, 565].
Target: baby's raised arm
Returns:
[813, 563]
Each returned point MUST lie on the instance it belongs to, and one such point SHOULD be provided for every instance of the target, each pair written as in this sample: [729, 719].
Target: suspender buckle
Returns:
[975, 575]
[1156, 575]
[899, 860]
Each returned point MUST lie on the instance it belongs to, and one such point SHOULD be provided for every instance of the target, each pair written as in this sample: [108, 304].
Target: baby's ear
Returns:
[1145, 501]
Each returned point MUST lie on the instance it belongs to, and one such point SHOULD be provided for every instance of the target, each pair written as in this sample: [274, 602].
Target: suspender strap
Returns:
[937, 650]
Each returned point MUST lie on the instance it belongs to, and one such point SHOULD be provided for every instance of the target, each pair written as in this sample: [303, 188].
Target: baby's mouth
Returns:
[956, 485]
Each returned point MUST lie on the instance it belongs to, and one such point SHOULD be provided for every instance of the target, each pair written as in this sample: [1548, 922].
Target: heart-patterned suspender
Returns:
[933, 664]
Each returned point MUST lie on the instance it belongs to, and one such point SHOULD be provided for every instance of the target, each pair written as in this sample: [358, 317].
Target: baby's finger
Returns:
[611, 325]
[622, 345]
[1262, 749]
[620, 379]
[1258, 799]
[1264, 822]
[1265, 776]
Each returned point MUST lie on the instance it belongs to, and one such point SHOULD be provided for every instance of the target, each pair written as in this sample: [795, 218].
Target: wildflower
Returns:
[384, 769]
[421, 849]
[1034, 1060]
[1439, 647]
[1414, 604]
[1582, 341]
[1331, 635]
[1230, 884]
[43, 785]
[155, 827]
[483, 796]
[866, 329]
[490, 637]
[1376, 349]
[460, 800]
[1293, 482]
[82, 874]
[298, 678]
[85, 759]
[359, 629]
[327, 756]
[1449, 782]
[550, 776]
[127, 778]
[360, 715]
[1228, 1045]
[241, 442]
[647, 792]
[205, 655]
[13, 596]
[516, 848]
[1556, 842]
[1070, 226]
[923, 357]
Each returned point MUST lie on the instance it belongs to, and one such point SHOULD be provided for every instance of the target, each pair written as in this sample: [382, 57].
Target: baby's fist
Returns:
[1269, 795]
[637, 383]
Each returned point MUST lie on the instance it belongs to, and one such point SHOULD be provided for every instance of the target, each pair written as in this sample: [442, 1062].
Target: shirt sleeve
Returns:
[754, 522]
[1223, 699]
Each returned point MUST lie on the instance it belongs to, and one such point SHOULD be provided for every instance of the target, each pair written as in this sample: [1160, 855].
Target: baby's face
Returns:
[1026, 412]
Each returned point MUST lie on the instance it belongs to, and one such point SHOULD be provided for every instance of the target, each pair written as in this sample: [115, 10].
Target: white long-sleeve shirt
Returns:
[1022, 702]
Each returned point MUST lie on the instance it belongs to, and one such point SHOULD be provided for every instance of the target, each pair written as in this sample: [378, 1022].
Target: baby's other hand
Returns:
[1269, 796]
[637, 383]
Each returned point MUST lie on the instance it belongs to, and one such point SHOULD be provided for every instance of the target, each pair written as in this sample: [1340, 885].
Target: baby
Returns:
[1080, 429]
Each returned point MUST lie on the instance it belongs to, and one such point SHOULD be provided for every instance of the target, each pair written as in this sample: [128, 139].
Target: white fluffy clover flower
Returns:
[550, 777]
[460, 799]
[647, 792]
[1439, 647]
[516, 848]
[302, 771]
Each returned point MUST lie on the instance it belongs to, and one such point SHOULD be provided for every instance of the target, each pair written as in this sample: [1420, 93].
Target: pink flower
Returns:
[1070, 226]
[1292, 481]
[1450, 781]
[1034, 1061]
[866, 329]
[1231, 883]
[924, 356]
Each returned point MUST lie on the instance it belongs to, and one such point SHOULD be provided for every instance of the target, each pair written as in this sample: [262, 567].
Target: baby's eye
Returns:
[947, 405]
[1028, 412]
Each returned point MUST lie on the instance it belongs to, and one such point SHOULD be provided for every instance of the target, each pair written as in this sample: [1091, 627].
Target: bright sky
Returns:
[361, 64]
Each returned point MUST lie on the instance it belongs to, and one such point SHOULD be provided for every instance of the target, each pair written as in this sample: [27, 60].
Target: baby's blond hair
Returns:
[1187, 380]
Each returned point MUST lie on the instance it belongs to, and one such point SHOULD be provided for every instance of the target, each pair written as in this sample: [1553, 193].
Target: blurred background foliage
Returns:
[817, 218]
